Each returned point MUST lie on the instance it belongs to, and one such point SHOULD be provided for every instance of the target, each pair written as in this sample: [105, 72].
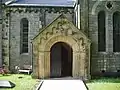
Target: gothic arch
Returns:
[116, 30]
[101, 31]
[95, 6]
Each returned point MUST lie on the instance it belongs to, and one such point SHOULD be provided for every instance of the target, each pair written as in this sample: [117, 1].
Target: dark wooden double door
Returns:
[61, 60]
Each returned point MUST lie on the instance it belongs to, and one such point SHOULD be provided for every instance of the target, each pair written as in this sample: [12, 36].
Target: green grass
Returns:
[104, 84]
[24, 83]
[27, 83]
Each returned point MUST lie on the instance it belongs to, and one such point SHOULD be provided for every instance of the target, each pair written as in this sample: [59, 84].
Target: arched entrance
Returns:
[52, 53]
[61, 59]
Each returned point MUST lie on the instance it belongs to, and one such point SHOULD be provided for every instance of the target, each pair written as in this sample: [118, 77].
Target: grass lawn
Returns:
[27, 83]
[24, 83]
[104, 84]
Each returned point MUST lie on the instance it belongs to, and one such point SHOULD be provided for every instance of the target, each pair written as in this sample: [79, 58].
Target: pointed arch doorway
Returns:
[61, 59]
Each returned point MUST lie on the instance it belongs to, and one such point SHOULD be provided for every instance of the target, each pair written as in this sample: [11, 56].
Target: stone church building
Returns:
[61, 38]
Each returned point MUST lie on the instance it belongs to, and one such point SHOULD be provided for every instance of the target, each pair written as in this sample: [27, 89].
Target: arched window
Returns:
[116, 32]
[24, 36]
[101, 32]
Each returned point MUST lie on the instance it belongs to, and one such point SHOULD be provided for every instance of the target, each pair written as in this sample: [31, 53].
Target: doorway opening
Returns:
[61, 58]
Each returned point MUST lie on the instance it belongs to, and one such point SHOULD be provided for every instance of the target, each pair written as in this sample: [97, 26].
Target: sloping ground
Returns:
[104, 84]
[22, 82]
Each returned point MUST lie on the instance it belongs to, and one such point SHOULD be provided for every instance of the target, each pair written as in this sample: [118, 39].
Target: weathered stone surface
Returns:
[61, 30]
[38, 18]
[84, 17]
[102, 60]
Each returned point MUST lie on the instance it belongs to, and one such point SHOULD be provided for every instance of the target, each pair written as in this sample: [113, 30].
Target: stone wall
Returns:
[107, 61]
[0, 34]
[38, 18]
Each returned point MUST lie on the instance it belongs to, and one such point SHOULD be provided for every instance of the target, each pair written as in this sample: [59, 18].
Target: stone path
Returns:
[62, 84]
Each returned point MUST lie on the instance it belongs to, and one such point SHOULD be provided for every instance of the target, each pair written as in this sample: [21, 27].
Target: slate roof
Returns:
[3, 1]
[61, 3]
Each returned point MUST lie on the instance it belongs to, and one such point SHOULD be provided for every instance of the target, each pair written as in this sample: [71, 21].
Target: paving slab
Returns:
[57, 84]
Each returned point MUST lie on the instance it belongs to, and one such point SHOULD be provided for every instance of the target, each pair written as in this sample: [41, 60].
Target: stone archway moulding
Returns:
[61, 30]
